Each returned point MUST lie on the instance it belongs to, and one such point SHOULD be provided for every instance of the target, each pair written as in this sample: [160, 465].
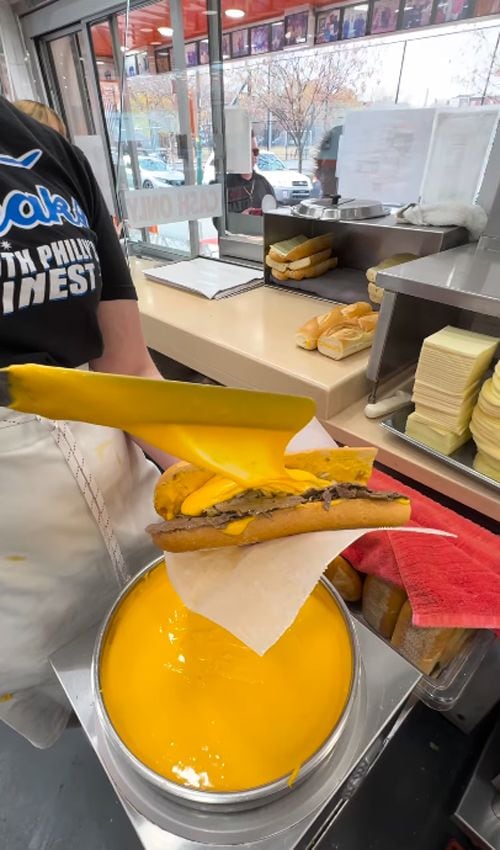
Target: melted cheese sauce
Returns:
[197, 706]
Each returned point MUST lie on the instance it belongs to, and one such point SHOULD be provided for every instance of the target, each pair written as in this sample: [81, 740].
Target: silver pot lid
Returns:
[339, 209]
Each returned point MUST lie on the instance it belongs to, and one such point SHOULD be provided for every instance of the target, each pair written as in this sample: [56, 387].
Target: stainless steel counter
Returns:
[388, 680]
[463, 277]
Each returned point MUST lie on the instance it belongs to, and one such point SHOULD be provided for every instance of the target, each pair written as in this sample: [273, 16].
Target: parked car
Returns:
[155, 174]
[289, 186]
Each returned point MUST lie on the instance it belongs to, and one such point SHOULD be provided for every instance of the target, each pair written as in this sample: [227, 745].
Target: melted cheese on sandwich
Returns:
[219, 489]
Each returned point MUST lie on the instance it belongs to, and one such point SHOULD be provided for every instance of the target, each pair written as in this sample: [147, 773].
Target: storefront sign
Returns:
[146, 207]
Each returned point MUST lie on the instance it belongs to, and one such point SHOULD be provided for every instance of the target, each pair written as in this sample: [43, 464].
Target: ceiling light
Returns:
[235, 13]
[204, 41]
[123, 48]
[167, 32]
[146, 29]
[155, 43]
[100, 62]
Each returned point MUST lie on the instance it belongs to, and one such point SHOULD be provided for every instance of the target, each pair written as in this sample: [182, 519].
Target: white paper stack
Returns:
[485, 427]
[211, 278]
[447, 381]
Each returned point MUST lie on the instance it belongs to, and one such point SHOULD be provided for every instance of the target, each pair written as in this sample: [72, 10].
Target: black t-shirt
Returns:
[243, 194]
[59, 254]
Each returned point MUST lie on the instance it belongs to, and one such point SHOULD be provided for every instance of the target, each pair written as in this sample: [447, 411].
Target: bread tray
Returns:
[460, 460]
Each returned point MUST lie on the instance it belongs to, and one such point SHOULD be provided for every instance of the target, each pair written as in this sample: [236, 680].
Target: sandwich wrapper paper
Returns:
[256, 592]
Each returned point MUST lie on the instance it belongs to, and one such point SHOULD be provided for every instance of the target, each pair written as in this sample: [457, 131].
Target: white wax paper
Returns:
[255, 592]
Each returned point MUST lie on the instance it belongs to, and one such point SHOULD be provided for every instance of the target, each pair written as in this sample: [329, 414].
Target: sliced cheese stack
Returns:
[485, 427]
[447, 381]
[300, 257]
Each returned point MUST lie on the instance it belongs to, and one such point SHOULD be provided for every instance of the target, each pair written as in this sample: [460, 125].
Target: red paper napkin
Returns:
[450, 582]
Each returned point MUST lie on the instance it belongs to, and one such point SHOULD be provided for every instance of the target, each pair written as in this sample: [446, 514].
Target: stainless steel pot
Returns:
[334, 209]
[212, 800]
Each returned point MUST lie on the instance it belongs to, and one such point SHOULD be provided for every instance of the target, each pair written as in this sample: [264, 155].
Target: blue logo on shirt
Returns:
[27, 160]
[27, 210]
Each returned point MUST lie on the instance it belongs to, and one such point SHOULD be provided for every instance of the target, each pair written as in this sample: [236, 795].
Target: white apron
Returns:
[74, 502]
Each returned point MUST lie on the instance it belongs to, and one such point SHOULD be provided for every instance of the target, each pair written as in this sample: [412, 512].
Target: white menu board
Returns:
[459, 149]
[383, 154]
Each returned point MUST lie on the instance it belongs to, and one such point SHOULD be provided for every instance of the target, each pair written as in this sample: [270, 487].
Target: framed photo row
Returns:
[367, 17]
[385, 16]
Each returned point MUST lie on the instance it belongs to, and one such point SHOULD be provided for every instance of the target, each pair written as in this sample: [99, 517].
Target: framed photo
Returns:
[226, 46]
[452, 10]
[355, 21]
[203, 52]
[131, 65]
[162, 61]
[143, 63]
[385, 15]
[328, 26]
[417, 13]
[192, 54]
[239, 44]
[259, 39]
[278, 35]
[296, 27]
[487, 7]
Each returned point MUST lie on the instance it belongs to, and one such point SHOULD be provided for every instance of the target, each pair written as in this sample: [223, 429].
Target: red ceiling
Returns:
[195, 21]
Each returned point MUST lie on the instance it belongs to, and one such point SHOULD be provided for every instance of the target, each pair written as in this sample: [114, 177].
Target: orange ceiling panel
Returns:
[144, 22]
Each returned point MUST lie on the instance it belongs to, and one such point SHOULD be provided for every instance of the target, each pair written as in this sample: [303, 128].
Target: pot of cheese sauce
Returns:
[198, 716]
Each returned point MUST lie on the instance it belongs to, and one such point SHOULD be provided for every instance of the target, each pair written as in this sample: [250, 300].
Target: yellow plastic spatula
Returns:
[240, 433]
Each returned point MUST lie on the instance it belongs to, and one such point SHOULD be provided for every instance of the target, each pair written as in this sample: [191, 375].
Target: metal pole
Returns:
[179, 55]
[400, 72]
[125, 117]
[214, 15]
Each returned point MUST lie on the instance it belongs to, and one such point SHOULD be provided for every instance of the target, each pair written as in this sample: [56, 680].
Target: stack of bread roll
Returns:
[485, 427]
[387, 610]
[447, 381]
[340, 332]
[300, 257]
[376, 292]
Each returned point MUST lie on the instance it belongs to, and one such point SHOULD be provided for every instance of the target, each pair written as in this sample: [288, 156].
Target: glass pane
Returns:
[154, 154]
[67, 62]
[449, 69]
[5, 88]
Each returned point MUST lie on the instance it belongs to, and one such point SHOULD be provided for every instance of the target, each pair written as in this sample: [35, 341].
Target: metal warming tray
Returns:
[461, 460]
[388, 680]
[334, 209]
[163, 789]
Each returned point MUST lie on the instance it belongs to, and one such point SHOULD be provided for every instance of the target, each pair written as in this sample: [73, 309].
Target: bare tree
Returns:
[298, 90]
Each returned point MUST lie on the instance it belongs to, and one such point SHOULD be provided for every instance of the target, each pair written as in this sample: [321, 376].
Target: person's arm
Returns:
[125, 353]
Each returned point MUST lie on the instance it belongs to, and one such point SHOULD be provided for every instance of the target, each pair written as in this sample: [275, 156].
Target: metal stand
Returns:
[388, 681]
